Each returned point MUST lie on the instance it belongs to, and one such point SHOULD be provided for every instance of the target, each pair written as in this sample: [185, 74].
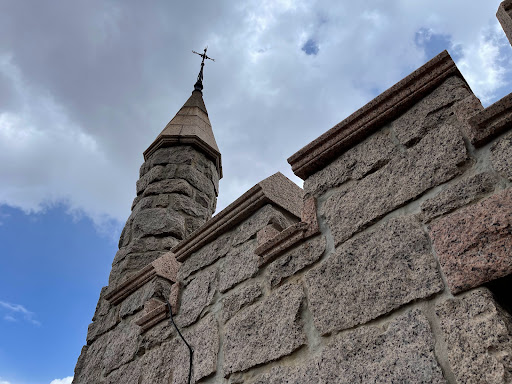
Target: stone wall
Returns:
[385, 269]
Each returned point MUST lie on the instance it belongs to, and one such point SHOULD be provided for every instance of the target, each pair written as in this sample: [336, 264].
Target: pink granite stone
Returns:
[491, 122]
[267, 233]
[174, 297]
[309, 216]
[474, 244]
[368, 119]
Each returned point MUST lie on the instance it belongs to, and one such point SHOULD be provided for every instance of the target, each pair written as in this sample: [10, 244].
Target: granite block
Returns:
[296, 259]
[458, 195]
[401, 352]
[501, 156]
[434, 160]
[197, 295]
[356, 163]
[431, 112]
[240, 298]
[478, 335]
[265, 331]
[474, 244]
[372, 275]
[240, 264]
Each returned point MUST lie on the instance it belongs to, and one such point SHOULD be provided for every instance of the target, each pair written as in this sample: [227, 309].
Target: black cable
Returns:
[191, 351]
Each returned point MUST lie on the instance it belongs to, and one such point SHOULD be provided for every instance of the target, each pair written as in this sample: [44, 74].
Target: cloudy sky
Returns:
[86, 86]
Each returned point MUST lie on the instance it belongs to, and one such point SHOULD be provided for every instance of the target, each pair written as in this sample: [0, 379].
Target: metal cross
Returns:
[198, 86]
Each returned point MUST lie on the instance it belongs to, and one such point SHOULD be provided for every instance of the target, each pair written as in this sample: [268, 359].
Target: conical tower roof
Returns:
[190, 126]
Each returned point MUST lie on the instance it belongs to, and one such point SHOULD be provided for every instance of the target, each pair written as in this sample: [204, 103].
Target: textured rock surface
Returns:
[165, 187]
[266, 215]
[131, 264]
[265, 331]
[198, 294]
[206, 255]
[431, 112]
[403, 353]
[157, 221]
[105, 318]
[157, 288]
[128, 373]
[432, 161]
[204, 339]
[89, 367]
[501, 156]
[295, 260]
[176, 194]
[474, 244]
[373, 116]
[372, 275]
[239, 299]
[102, 324]
[357, 162]
[169, 362]
[455, 196]
[121, 347]
[240, 264]
[478, 335]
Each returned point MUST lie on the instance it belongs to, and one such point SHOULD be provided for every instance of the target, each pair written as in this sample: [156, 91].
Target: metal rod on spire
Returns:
[198, 86]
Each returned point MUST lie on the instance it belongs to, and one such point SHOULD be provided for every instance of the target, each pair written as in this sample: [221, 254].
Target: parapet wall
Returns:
[392, 266]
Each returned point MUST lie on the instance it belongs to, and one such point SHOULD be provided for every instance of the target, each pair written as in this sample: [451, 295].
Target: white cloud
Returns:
[13, 313]
[81, 106]
[66, 380]
[486, 63]
[4, 382]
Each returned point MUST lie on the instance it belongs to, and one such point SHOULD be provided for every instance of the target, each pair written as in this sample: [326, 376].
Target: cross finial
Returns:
[198, 86]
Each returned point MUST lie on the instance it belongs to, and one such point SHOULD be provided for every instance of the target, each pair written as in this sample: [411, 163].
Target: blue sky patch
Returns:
[434, 43]
[310, 47]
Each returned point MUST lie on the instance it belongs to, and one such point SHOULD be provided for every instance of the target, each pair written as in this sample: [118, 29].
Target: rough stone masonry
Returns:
[393, 265]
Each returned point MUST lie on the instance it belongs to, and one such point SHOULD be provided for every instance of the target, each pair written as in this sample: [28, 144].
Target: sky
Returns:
[86, 86]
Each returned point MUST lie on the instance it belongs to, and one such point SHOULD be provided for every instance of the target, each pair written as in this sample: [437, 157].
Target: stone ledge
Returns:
[373, 115]
[154, 312]
[169, 141]
[291, 236]
[492, 121]
[276, 189]
[165, 266]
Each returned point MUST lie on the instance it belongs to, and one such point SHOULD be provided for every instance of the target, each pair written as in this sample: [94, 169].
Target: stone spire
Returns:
[177, 190]
[190, 126]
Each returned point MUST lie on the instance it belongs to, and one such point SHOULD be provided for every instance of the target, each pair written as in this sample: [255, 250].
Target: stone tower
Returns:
[176, 192]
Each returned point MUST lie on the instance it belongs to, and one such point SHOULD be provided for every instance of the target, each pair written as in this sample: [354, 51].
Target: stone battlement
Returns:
[393, 265]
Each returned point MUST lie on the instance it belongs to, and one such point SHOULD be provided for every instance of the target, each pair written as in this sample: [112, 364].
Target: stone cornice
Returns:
[154, 312]
[169, 141]
[276, 189]
[373, 115]
[291, 236]
[165, 266]
[492, 121]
